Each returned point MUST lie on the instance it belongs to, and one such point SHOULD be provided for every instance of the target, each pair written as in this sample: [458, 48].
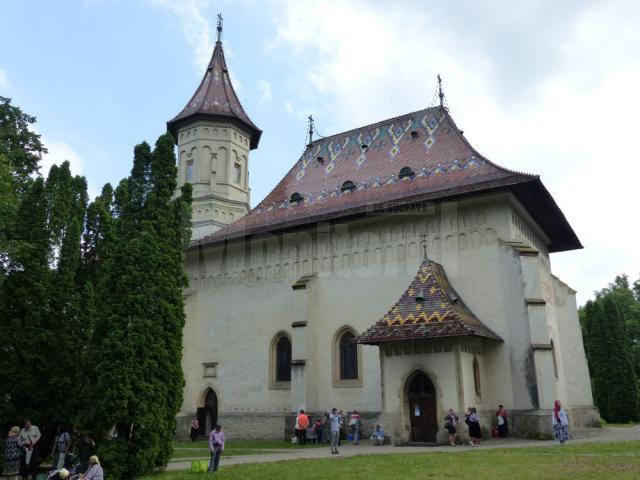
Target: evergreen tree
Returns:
[23, 313]
[67, 203]
[622, 384]
[596, 344]
[138, 380]
[18, 143]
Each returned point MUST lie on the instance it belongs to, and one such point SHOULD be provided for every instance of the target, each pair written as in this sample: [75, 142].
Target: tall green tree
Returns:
[19, 144]
[611, 333]
[23, 312]
[138, 377]
[622, 383]
[20, 152]
[41, 320]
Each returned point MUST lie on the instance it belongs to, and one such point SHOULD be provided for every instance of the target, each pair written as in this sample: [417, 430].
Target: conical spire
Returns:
[216, 98]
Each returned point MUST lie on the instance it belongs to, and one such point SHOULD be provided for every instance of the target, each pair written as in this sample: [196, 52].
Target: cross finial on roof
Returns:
[440, 94]
[310, 130]
[423, 240]
[219, 28]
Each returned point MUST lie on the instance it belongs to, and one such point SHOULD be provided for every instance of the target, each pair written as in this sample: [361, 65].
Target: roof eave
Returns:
[174, 125]
[497, 339]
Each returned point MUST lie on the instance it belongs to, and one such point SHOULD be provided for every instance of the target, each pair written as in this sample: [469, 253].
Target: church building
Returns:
[394, 270]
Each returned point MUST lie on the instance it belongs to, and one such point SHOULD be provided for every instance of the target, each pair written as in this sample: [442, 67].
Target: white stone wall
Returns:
[240, 297]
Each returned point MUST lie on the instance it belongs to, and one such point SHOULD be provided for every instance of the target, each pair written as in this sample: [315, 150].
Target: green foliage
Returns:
[91, 308]
[18, 143]
[138, 377]
[611, 329]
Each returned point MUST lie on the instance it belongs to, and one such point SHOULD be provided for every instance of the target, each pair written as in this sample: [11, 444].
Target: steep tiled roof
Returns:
[215, 97]
[441, 314]
[441, 164]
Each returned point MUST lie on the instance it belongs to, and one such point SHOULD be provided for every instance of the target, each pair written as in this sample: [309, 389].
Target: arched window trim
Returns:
[476, 377]
[554, 358]
[274, 383]
[338, 381]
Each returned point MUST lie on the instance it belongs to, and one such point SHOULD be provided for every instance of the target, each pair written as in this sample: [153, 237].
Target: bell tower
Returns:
[214, 137]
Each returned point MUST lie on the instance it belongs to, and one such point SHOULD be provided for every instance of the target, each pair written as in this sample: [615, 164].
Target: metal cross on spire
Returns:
[219, 28]
[440, 94]
[311, 128]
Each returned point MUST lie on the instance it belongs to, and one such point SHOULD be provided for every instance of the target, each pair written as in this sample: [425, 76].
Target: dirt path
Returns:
[607, 434]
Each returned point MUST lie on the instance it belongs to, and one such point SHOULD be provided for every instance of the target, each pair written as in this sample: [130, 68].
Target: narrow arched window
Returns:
[476, 376]
[283, 360]
[348, 357]
[555, 360]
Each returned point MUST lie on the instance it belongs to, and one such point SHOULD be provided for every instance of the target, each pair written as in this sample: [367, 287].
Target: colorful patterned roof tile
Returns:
[444, 166]
[429, 308]
[216, 98]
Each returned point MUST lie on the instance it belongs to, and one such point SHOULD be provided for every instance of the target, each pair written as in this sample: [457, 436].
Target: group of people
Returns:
[336, 423]
[23, 455]
[319, 426]
[559, 419]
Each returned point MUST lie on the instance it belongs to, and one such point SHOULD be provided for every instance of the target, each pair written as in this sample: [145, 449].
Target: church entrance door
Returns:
[422, 409]
[208, 415]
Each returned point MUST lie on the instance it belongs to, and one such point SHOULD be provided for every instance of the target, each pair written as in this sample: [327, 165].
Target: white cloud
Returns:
[4, 79]
[264, 89]
[60, 151]
[195, 26]
[555, 96]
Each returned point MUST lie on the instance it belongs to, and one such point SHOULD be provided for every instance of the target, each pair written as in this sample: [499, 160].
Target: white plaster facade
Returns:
[348, 275]
[214, 157]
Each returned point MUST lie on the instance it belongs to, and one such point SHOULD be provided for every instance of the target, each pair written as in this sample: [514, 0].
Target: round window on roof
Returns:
[348, 186]
[296, 198]
[406, 172]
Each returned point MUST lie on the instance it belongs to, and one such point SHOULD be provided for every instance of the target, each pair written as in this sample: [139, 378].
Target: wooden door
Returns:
[422, 409]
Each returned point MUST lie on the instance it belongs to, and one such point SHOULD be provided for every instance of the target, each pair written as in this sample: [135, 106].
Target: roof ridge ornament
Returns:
[219, 28]
[423, 240]
[440, 92]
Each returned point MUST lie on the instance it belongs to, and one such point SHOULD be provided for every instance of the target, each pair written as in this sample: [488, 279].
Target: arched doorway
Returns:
[422, 408]
[208, 415]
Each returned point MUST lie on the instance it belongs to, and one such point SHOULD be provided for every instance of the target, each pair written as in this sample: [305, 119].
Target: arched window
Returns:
[555, 360]
[348, 357]
[283, 360]
[476, 376]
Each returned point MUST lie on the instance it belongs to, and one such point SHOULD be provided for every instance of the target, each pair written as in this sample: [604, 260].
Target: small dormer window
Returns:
[296, 198]
[420, 298]
[406, 172]
[348, 186]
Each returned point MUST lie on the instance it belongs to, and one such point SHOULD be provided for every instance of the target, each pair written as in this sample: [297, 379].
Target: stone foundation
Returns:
[268, 425]
[522, 424]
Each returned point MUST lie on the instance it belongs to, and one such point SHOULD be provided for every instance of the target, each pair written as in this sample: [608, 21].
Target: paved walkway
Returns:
[606, 434]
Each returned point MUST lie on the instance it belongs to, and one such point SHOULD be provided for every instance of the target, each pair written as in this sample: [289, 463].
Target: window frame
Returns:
[338, 381]
[274, 383]
[476, 377]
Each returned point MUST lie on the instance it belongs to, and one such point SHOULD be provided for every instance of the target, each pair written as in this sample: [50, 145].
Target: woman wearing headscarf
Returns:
[95, 470]
[12, 453]
[560, 423]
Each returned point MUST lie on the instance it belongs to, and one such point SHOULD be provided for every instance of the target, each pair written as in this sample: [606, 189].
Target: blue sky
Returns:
[542, 86]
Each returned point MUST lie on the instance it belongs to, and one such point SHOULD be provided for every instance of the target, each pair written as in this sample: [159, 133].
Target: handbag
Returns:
[199, 466]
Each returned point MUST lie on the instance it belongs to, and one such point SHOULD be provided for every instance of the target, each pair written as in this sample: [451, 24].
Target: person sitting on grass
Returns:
[378, 435]
[59, 474]
[94, 472]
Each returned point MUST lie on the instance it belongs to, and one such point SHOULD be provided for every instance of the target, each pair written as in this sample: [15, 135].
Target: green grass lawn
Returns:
[586, 461]
[604, 423]
[200, 448]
